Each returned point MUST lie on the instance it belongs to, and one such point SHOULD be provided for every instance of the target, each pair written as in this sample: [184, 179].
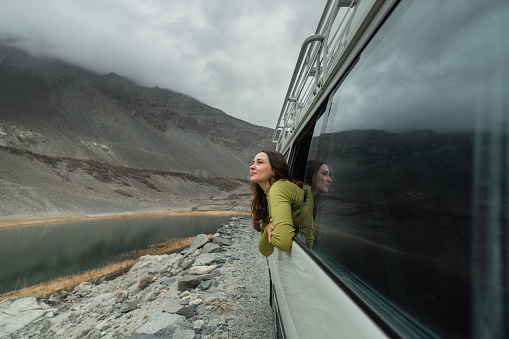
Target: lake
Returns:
[33, 254]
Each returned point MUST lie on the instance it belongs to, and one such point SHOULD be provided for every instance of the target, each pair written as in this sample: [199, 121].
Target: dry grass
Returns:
[120, 264]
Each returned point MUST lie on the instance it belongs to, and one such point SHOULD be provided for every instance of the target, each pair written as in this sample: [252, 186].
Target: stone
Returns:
[187, 263]
[83, 288]
[94, 334]
[130, 306]
[75, 315]
[168, 282]
[197, 270]
[196, 301]
[198, 325]
[152, 296]
[164, 324]
[55, 298]
[172, 307]
[211, 248]
[218, 240]
[186, 312]
[18, 312]
[188, 282]
[46, 325]
[205, 285]
[200, 309]
[121, 296]
[184, 334]
[205, 259]
[199, 241]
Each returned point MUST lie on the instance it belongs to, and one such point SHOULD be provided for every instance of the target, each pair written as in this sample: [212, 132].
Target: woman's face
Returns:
[322, 180]
[261, 171]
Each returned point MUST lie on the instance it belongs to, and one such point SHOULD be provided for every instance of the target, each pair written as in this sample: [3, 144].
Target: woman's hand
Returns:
[269, 229]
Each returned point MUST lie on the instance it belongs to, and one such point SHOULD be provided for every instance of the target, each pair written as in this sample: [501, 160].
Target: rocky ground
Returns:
[217, 288]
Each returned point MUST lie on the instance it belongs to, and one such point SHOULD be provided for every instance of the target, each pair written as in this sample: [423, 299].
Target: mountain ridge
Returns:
[75, 107]
[58, 121]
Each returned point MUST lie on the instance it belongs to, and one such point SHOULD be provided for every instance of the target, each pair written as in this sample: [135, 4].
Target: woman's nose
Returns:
[251, 167]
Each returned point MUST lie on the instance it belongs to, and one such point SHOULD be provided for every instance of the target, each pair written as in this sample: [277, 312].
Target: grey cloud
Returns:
[234, 55]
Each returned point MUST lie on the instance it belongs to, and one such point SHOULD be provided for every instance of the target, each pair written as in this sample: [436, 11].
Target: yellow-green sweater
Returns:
[283, 199]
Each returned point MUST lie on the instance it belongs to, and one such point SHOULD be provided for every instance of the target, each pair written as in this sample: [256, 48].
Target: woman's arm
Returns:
[281, 213]
[264, 246]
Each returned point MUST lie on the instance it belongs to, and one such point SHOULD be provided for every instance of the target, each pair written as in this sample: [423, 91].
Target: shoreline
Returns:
[117, 266]
[51, 220]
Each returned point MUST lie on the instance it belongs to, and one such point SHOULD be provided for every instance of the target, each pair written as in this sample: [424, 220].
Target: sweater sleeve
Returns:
[280, 209]
[264, 246]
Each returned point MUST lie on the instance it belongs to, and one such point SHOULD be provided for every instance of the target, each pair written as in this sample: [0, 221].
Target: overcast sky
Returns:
[235, 55]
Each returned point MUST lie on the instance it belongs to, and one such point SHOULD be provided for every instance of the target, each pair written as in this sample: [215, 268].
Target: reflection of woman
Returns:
[320, 180]
[317, 181]
[277, 197]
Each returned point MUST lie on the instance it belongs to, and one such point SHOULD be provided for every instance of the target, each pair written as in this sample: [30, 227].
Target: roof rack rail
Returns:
[313, 67]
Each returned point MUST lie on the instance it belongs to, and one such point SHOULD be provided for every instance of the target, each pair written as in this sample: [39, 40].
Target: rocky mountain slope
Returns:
[52, 109]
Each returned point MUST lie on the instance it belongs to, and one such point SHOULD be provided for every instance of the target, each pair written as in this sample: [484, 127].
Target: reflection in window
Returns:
[417, 136]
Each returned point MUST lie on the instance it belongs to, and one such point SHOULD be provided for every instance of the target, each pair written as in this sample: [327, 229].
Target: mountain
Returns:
[52, 110]
[72, 112]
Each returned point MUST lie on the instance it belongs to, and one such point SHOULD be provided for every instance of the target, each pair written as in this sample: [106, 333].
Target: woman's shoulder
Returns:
[285, 185]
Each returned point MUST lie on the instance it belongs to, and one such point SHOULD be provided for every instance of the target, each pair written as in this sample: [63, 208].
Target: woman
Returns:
[320, 177]
[317, 181]
[276, 197]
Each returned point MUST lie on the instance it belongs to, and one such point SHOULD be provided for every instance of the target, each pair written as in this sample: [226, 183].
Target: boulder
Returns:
[130, 306]
[188, 282]
[55, 298]
[121, 296]
[211, 248]
[163, 324]
[191, 281]
[205, 285]
[83, 288]
[16, 313]
[198, 270]
[205, 259]
[185, 311]
[199, 241]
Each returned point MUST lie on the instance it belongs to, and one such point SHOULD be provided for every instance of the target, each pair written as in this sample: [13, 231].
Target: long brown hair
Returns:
[259, 208]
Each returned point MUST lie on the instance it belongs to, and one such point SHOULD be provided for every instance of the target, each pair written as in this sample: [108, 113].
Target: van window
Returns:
[412, 209]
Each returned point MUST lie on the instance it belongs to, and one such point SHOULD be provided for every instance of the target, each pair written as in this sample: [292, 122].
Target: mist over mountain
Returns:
[72, 112]
[55, 110]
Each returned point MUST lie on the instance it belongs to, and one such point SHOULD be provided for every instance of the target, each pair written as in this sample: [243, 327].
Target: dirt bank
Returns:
[51, 220]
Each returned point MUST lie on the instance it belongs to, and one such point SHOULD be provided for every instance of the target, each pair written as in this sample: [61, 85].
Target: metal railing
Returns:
[314, 65]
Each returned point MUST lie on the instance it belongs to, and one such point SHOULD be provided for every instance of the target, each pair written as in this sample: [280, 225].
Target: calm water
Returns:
[32, 254]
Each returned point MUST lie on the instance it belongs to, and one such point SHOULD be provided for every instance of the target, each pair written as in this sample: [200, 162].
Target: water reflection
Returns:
[33, 254]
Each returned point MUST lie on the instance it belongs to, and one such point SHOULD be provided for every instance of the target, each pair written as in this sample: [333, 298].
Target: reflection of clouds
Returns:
[433, 65]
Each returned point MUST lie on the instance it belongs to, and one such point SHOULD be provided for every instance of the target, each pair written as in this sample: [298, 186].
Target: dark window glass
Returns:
[416, 144]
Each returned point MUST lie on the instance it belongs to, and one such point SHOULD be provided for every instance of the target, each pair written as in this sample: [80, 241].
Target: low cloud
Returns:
[235, 55]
